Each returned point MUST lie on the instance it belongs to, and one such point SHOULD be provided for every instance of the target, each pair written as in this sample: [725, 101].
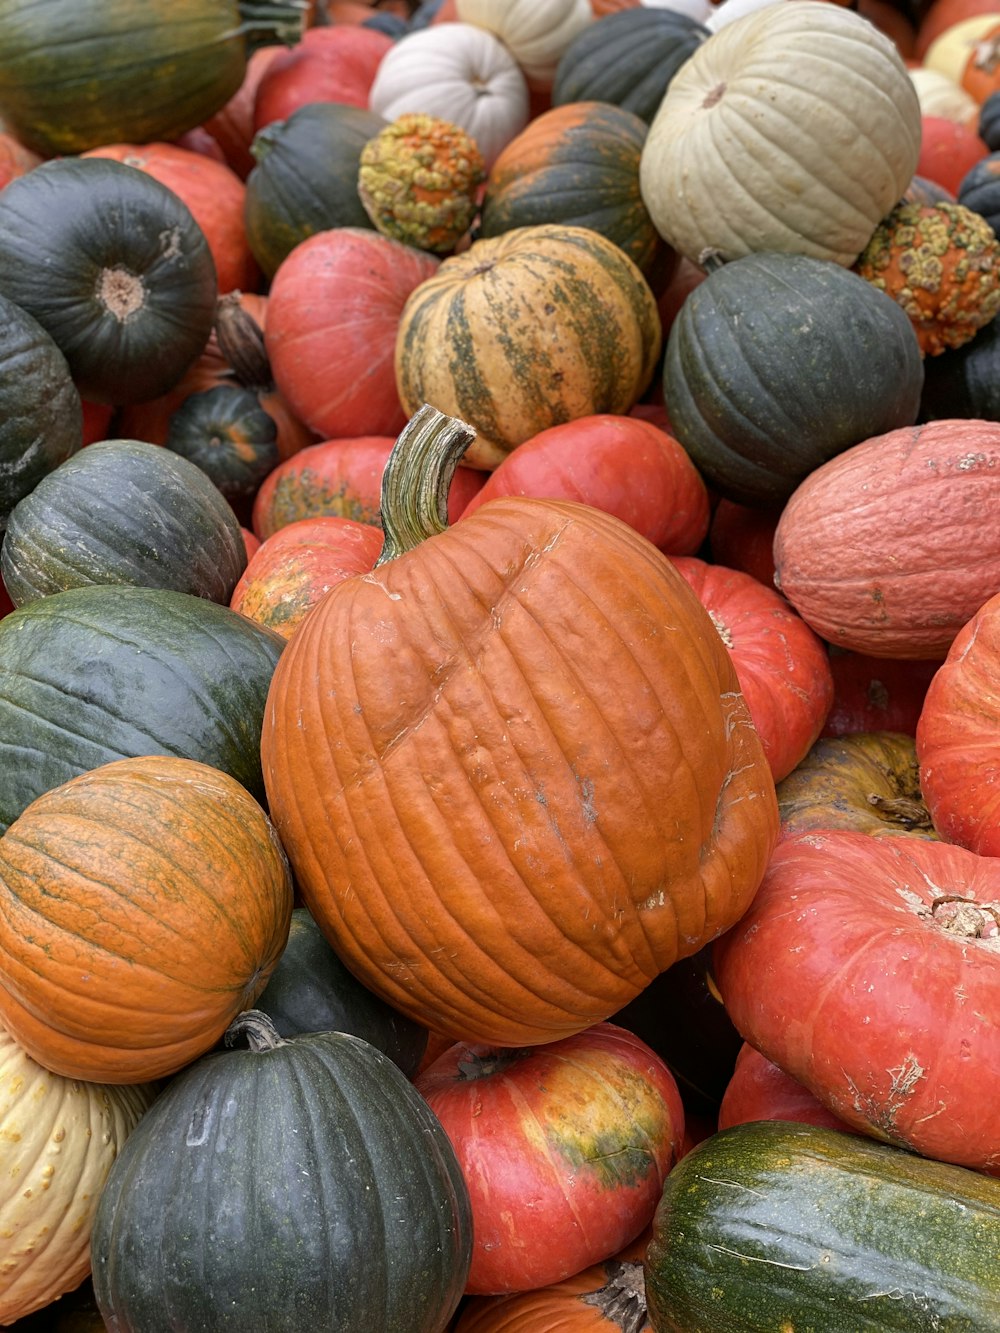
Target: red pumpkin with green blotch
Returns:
[564, 1148]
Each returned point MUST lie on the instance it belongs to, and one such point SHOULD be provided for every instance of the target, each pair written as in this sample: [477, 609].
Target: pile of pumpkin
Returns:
[499, 665]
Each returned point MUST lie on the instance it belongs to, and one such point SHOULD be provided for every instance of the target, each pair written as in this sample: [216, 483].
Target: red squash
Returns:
[333, 312]
[335, 64]
[341, 478]
[958, 737]
[232, 126]
[564, 1149]
[621, 464]
[948, 151]
[868, 970]
[743, 538]
[15, 159]
[783, 668]
[214, 194]
[96, 420]
[759, 1090]
[876, 693]
[298, 565]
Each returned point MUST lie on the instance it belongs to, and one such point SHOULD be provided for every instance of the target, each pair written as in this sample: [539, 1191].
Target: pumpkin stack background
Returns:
[499, 659]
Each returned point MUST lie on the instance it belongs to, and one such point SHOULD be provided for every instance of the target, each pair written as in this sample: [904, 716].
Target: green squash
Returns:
[115, 269]
[778, 362]
[76, 74]
[227, 435]
[964, 381]
[123, 512]
[41, 417]
[301, 1184]
[102, 672]
[772, 1226]
[979, 189]
[627, 58]
[306, 178]
[312, 991]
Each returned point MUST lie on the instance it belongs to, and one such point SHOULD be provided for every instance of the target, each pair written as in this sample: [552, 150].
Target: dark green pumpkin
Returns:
[306, 178]
[300, 1184]
[980, 189]
[75, 74]
[989, 122]
[227, 435]
[101, 673]
[312, 991]
[123, 512]
[115, 269]
[41, 417]
[965, 381]
[627, 59]
[577, 164]
[778, 362]
[773, 1225]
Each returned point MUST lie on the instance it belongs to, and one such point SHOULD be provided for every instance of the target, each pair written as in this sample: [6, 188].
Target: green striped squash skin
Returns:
[775, 1227]
[74, 76]
[306, 178]
[627, 59]
[308, 1186]
[526, 330]
[121, 511]
[102, 672]
[777, 363]
[578, 165]
[41, 417]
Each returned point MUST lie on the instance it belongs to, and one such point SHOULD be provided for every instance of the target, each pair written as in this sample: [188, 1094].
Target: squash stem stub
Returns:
[417, 476]
[257, 1028]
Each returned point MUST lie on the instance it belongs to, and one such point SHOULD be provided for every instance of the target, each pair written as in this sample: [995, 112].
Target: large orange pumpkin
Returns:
[512, 766]
[143, 905]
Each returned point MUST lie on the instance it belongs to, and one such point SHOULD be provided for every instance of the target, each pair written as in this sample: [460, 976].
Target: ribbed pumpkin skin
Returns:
[100, 673]
[525, 330]
[307, 1186]
[123, 512]
[41, 417]
[114, 267]
[577, 165]
[78, 76]
[884, 550]
[306, 178]
[143, 905]
[60, 1137]
[762, 386]
[627, 59]
[791, 129]
[552, 793]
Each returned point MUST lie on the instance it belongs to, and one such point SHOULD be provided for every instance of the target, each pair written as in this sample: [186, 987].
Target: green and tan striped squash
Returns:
[526, 330]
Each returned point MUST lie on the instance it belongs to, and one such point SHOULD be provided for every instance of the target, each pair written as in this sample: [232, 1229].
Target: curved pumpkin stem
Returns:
[418, 473]
[257, 1028]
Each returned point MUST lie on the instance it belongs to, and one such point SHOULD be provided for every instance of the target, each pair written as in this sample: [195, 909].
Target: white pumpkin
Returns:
[535, 32]
[58, 1139]
[457, 72]
[795, 128]
[941, 96]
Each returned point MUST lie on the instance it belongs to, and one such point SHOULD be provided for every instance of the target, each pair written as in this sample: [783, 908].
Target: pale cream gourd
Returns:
[974, 39]
[941, 96]
[535, 32]
[795, 129]
[58, 1140]
[457, 72]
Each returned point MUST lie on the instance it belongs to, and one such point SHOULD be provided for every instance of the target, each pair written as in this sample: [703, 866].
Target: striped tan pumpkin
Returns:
[541, 325]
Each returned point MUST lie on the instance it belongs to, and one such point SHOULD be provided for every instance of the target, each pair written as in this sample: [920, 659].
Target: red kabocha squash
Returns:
[526, 330]
[341, 479]
[740, 537]
[298, 565]
[333, 312]
[623, 465]
[883, 549]
[534, 780]
[232, 126]
[782, 666]
[335, 64]
[876, 693]
[610, 1296]
[759, 1090]
[15, 159]
[885, 952]
[948, 151]
[213, 193]
[958, 736]
[143, 905]
[546, 1206]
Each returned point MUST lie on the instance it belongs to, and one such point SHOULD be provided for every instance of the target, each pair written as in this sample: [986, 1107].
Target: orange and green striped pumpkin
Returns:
[541, 325]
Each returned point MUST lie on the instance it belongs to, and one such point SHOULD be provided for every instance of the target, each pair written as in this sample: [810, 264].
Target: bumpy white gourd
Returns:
[795, 128]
